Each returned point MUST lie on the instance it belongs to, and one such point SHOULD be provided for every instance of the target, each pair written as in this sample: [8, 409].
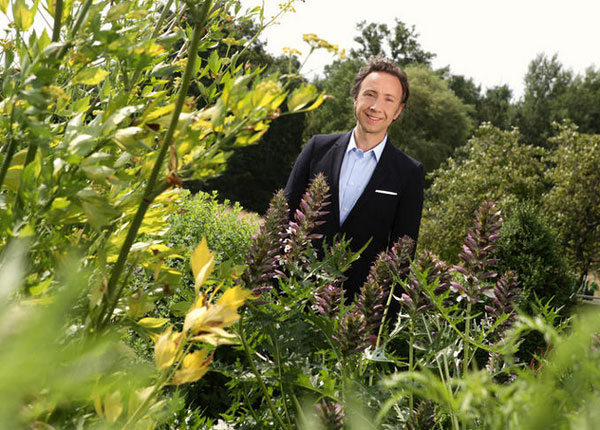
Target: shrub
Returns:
[530, 248]
[492, 166]
[228, 229]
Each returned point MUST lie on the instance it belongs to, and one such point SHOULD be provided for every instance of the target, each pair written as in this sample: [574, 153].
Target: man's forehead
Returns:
[381, 82]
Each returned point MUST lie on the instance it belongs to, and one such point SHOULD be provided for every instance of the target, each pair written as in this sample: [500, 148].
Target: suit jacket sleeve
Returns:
[410, 206]
[299, 177]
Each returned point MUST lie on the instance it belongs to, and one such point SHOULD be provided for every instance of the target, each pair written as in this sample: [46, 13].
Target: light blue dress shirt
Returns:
[356, 171]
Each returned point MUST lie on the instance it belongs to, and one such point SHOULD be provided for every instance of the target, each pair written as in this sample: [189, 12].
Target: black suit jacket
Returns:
[389, 207]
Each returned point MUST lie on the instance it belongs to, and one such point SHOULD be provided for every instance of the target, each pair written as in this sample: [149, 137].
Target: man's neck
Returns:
[367, 141]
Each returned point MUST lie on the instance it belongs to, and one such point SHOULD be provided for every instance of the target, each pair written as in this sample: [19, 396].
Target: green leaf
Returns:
[4, 5]
[214, 63]
[118, 10]
[98, 173]
[90, 76]
[40, 288]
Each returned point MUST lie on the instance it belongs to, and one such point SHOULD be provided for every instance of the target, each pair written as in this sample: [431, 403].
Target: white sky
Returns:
[491, 41]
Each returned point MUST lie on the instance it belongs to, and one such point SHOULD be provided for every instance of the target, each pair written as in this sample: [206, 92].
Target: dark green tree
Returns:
[400, 43]
[582, 101]
[496, 107]
[435, 121]
[546, 82]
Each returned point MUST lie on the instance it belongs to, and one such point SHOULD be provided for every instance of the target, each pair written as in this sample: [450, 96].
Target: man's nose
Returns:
[375, 104]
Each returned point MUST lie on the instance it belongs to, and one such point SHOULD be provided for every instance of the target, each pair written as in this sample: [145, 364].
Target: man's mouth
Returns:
[372, 118]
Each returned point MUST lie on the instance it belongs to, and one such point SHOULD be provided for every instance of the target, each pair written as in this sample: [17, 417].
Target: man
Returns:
[376, 190]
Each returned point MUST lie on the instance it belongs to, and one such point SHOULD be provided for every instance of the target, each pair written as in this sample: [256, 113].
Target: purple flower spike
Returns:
[331, 415]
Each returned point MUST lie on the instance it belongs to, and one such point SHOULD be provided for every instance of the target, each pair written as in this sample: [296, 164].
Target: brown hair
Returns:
[381, 64]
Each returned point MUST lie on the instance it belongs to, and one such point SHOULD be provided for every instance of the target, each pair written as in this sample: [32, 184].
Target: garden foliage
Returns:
[104, 118]
[100, 130]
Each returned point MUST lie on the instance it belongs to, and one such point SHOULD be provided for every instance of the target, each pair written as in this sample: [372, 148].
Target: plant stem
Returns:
[83, 11]
[112, 293]
[12, 148]
[155, 32]
[31, 151]
[467, 337]
[58, 11]
[385, 312]
[411, 362]
[283, 395]
[261, 383]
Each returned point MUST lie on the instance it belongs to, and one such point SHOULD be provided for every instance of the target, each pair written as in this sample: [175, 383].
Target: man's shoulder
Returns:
[327, 140]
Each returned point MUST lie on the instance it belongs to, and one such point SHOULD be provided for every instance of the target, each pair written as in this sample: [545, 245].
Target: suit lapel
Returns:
[338, 151]
[380, 175]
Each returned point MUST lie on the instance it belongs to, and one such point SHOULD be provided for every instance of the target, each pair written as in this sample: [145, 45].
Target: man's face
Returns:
[378, 103]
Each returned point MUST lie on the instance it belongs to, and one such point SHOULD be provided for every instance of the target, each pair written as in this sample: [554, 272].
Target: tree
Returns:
[574, 199]
[435, 121]
[496, 107]
[493, 166]
[400, 44]
[582, 101]
[546, 82]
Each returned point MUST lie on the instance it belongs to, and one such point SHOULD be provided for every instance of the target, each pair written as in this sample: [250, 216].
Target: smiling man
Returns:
[376, 189]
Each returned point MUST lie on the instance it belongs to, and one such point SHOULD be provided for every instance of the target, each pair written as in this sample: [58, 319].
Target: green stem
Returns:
[283, 395]
[385, 312]
[150, 192]
[411, 362]
[31, 151]
[12, 148]
[467, 337]
[78, 23]
[261, 383]
[58, 11]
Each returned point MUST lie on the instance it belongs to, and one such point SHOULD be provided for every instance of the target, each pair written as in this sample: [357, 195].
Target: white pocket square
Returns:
[389, 193]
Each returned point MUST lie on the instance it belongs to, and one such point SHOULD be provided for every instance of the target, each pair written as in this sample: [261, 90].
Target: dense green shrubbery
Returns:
[564, 180]
[530, 247]
[228, 229]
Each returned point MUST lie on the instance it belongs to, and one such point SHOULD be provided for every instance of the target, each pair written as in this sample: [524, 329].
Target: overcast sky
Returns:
[491, 41]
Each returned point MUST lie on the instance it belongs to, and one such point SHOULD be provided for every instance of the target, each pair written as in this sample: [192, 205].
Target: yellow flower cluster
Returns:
[291, 51]
[204, 323]
[315, 42]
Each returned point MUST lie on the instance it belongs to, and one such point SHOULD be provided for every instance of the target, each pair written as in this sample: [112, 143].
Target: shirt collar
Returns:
[377, 150]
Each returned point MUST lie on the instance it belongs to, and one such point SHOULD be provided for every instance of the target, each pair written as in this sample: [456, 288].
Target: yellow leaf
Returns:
[112, 406]
[4, 5]
[153, 322]
[301, 96]
[216, 337]
[234, 297]
[203, 261]
[97, 401]
[194, 366]
[202, 319]
[318, 102]
[90, 76]
[167, 348]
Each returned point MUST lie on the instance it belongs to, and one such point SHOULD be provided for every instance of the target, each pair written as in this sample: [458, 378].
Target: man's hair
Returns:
[381, 64]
